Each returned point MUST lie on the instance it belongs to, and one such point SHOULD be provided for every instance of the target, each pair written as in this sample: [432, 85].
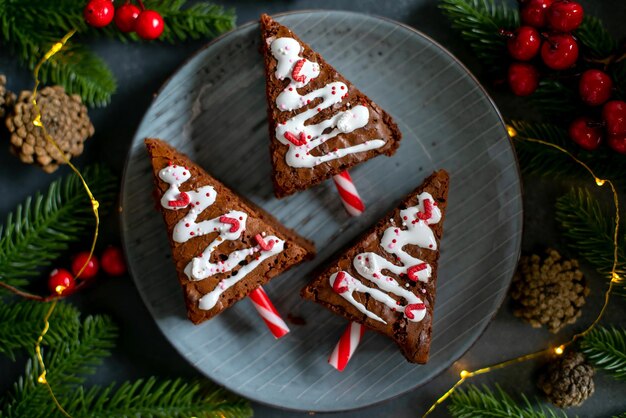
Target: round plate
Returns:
[214, 110]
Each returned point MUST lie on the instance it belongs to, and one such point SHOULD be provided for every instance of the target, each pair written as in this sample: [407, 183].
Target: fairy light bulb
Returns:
[600, 182]
[511, 131]
[464, 374]
[559, 350]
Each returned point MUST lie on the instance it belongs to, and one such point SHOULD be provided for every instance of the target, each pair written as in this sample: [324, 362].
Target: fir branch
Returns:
[40, 229]
[595, 39]
[606, 349]
[589, 230]
[21, 323]
[153, 398]
[475, 402]
[553, 98]
[479, 22]
[540, 159]
[66, 366]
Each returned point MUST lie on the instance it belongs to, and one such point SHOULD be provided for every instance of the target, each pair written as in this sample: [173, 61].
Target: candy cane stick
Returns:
[268, 312]
[348, 193]
[346, 346]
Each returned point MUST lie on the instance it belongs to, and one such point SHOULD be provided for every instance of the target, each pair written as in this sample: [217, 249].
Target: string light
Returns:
[615, 278]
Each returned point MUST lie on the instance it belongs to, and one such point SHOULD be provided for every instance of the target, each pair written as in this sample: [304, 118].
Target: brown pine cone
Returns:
[7, 98]
[567, 380]
[64, 117]
[548, 291]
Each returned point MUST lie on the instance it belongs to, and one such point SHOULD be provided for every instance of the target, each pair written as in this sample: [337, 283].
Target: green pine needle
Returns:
[553, 98]
[67, 364]
[606, 349]
[595, 39]
[38, 231]
[474, 402]
[22, 322]
[540, 159]
[152, 398]
[479, 22]
[588, 227]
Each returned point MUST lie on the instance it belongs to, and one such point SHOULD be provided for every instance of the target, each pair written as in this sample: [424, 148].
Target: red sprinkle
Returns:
[232, 221]
[339, 278]
[413, 270]
[295, 73]
[182, 201]
[265, 246]
[408, 311]
[297, 141]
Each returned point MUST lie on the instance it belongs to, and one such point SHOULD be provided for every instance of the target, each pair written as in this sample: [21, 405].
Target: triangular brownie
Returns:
[387, 280]
[319, 123]
[223, 246]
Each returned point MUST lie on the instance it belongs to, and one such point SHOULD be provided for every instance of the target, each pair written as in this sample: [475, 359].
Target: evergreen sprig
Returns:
[606, 349]
[540, 159]
[21, 323]
[29, 28]
[595, 39]
[479, 22]
[552, 97]
[483, 402]
[589, 228]
[38, 231]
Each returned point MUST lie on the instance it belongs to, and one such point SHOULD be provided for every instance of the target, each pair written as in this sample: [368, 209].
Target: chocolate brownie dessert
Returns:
[319, 123]
[223, 246]
[387, 280]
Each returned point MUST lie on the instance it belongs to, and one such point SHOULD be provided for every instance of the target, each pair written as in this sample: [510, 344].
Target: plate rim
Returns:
[520, 191]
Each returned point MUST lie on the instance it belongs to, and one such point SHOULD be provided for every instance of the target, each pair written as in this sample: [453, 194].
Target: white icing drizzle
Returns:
[229, 227]
[416, 220]
[306, 138]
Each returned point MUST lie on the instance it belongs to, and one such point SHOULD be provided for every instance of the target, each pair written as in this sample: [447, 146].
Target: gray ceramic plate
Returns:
[213, 108]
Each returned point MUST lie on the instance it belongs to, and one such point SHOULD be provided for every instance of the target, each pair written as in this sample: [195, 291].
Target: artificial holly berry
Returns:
[149, 25]
[595, 87]
[126, 17]
[614, 115]
[617, 143]
[99, 13]
[91, 266]
[523, 78]
[61, 282]
[586, 133]
[113, 262]
[564, 15]
[524, 43]
[559, 51]
[533, 12]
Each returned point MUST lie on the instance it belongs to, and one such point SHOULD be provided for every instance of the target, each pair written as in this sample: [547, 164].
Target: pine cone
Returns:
[64, 117]
[7, 98]
[567, 380]
[548, 292]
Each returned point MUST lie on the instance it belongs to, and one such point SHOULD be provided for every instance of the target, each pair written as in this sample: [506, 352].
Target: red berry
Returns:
[595, 87]
[586, 133]
[618, 143]
[564, 15]
[523, 78]
[113, 262]
[91, 269]
[614, 115]
[533, 12]
[559, 51]
[524, 44]
[149, 25]
[99, 13]
[126, 17]
[61, 282]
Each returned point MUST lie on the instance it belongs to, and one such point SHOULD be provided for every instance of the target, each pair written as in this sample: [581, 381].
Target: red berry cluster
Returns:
[148, 24]
[558, 49]
[63, 283]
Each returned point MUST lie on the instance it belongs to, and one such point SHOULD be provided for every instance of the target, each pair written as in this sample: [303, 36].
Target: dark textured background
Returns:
[142, 351]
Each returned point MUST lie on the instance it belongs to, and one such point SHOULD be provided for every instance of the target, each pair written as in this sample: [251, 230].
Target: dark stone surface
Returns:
[142, 351]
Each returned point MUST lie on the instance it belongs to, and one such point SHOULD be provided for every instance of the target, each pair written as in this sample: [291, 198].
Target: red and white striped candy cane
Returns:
[346, 346]
[348, 193]
[268, 312]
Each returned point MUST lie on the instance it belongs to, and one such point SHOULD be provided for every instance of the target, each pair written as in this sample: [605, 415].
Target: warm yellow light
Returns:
[616, 278]
[59, 289]
[464, 374]
[511, 130]
[42, 378]
[600, 182]
[559, 350]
